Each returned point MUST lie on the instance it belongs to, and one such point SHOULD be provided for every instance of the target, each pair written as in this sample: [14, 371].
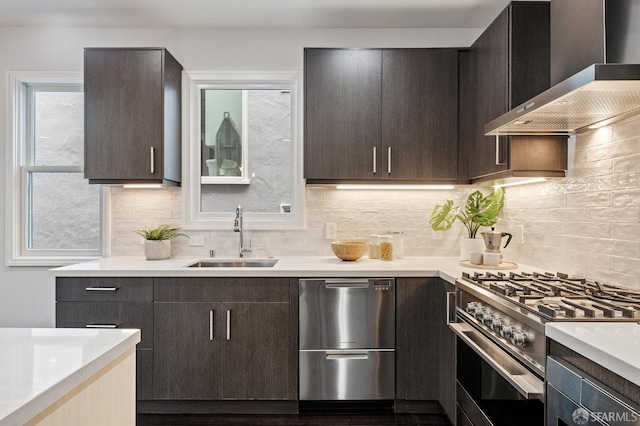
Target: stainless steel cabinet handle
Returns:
[101, 326]
[374, 160]
[228, 324]
[101, 288]
[211, 324]
[153, 163]
[389, 160]
[499, 161]
[450, 295]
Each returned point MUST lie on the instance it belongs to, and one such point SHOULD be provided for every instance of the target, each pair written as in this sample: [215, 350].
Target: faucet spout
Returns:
[238, 227]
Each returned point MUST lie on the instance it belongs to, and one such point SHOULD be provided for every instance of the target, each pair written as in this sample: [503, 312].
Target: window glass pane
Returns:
[64, 212]
[59, 128]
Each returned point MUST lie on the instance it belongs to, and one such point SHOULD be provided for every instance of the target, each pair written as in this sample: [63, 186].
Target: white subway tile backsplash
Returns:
[595, 138]
[588, 259]
[568, 214]
[598, 168]
[601, 238]
[586, 224]
[614, 214]
[622, 248]
[621, 148]
[589, 199]
[625, 231]
[630, 163]
[593, 229]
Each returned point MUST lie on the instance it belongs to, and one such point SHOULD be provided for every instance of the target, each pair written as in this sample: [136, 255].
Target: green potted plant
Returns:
[157, 244]
[479, 210]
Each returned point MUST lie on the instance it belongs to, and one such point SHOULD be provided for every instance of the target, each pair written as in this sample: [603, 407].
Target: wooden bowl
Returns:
[349, 250]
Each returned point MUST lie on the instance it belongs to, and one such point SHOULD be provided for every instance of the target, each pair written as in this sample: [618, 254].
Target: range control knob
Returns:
[474, 308]
[471, 307]
[496, 323]
[486, 317]
[506, 330]
[480, 313]
[521, 338]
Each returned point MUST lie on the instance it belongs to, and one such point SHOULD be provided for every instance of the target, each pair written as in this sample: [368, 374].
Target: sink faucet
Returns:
[237, 227]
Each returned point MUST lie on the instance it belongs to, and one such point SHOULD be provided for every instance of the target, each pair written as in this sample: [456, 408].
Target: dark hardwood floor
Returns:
[319, 419]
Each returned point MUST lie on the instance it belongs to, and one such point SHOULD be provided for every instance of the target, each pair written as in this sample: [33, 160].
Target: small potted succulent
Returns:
[479, 210]
[157, 244]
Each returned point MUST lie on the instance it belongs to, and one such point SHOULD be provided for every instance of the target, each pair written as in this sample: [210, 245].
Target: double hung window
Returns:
[54, 216]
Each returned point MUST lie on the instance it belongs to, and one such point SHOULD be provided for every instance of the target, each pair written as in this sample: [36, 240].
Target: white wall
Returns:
[27, 294]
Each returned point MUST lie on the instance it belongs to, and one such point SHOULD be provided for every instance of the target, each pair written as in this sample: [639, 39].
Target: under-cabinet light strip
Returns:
[142, 185]
[396, 187]
[521, 182]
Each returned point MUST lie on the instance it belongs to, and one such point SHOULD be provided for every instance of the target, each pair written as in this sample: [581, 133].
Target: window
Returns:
[54, 216]
[257, 164]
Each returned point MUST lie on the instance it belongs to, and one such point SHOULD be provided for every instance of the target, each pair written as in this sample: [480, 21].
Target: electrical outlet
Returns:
[437, 235]
[521, 233]
[330, 231]
[196, 240]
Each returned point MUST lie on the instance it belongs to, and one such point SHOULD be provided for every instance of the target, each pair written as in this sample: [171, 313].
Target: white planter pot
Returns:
[157, 249]
[470, 245]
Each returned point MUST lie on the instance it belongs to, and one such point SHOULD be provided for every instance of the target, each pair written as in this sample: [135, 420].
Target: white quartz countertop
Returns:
[448, 268]
[38, 366]
[614, 345]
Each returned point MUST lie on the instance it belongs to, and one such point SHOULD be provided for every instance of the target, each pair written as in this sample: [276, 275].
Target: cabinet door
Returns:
[420, 114]
[342, 113]
[255, 362]
[123, 114]
[187, 350]
[508, 65]
[425, 353]
[487, 97]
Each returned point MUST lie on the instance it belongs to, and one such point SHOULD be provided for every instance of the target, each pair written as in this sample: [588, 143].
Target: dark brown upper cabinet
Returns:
[132, 116]
[381, 115]
[507, 65]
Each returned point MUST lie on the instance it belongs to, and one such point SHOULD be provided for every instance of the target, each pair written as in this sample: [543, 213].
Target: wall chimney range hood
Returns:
[595, 71]
[596, 96]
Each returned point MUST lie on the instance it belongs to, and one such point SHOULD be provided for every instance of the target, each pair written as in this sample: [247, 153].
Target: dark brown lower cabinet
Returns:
[425, 347]
[232, 344]
[254, 356]
[117, 302]
[187, 359]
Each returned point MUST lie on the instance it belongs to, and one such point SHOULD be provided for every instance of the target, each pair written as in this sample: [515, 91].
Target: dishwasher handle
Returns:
[346, 283]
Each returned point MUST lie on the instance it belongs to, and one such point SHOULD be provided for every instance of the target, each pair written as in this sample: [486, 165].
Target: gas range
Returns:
[561, 297]
[510, 310]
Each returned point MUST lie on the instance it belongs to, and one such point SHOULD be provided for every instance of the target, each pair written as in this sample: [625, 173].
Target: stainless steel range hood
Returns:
[595, 71]
[596, 96]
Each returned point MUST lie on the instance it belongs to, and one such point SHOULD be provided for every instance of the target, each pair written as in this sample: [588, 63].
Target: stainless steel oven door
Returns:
[525, 382]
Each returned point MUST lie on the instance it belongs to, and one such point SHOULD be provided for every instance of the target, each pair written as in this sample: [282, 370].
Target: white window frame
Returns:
[17, 151]
[192, 83]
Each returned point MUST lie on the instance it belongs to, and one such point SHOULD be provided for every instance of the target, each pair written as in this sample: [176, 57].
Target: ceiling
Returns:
[251, 13]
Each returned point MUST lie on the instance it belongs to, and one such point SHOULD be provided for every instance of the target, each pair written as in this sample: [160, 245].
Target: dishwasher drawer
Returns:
[347, 314]
[347, 375]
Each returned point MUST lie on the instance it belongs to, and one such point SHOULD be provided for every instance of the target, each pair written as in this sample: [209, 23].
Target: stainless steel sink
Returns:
[241, 263]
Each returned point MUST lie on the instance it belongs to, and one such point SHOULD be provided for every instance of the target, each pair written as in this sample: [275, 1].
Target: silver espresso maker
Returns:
[493, 239]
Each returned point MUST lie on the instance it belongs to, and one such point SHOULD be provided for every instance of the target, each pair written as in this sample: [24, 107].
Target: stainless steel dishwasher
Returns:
[347, 339]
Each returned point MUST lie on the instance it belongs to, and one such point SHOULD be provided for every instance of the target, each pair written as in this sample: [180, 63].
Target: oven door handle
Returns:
[525, 382]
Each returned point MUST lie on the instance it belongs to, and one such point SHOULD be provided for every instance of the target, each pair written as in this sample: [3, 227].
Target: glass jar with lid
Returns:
[398, 243]
[374, 246]
[386, 247]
